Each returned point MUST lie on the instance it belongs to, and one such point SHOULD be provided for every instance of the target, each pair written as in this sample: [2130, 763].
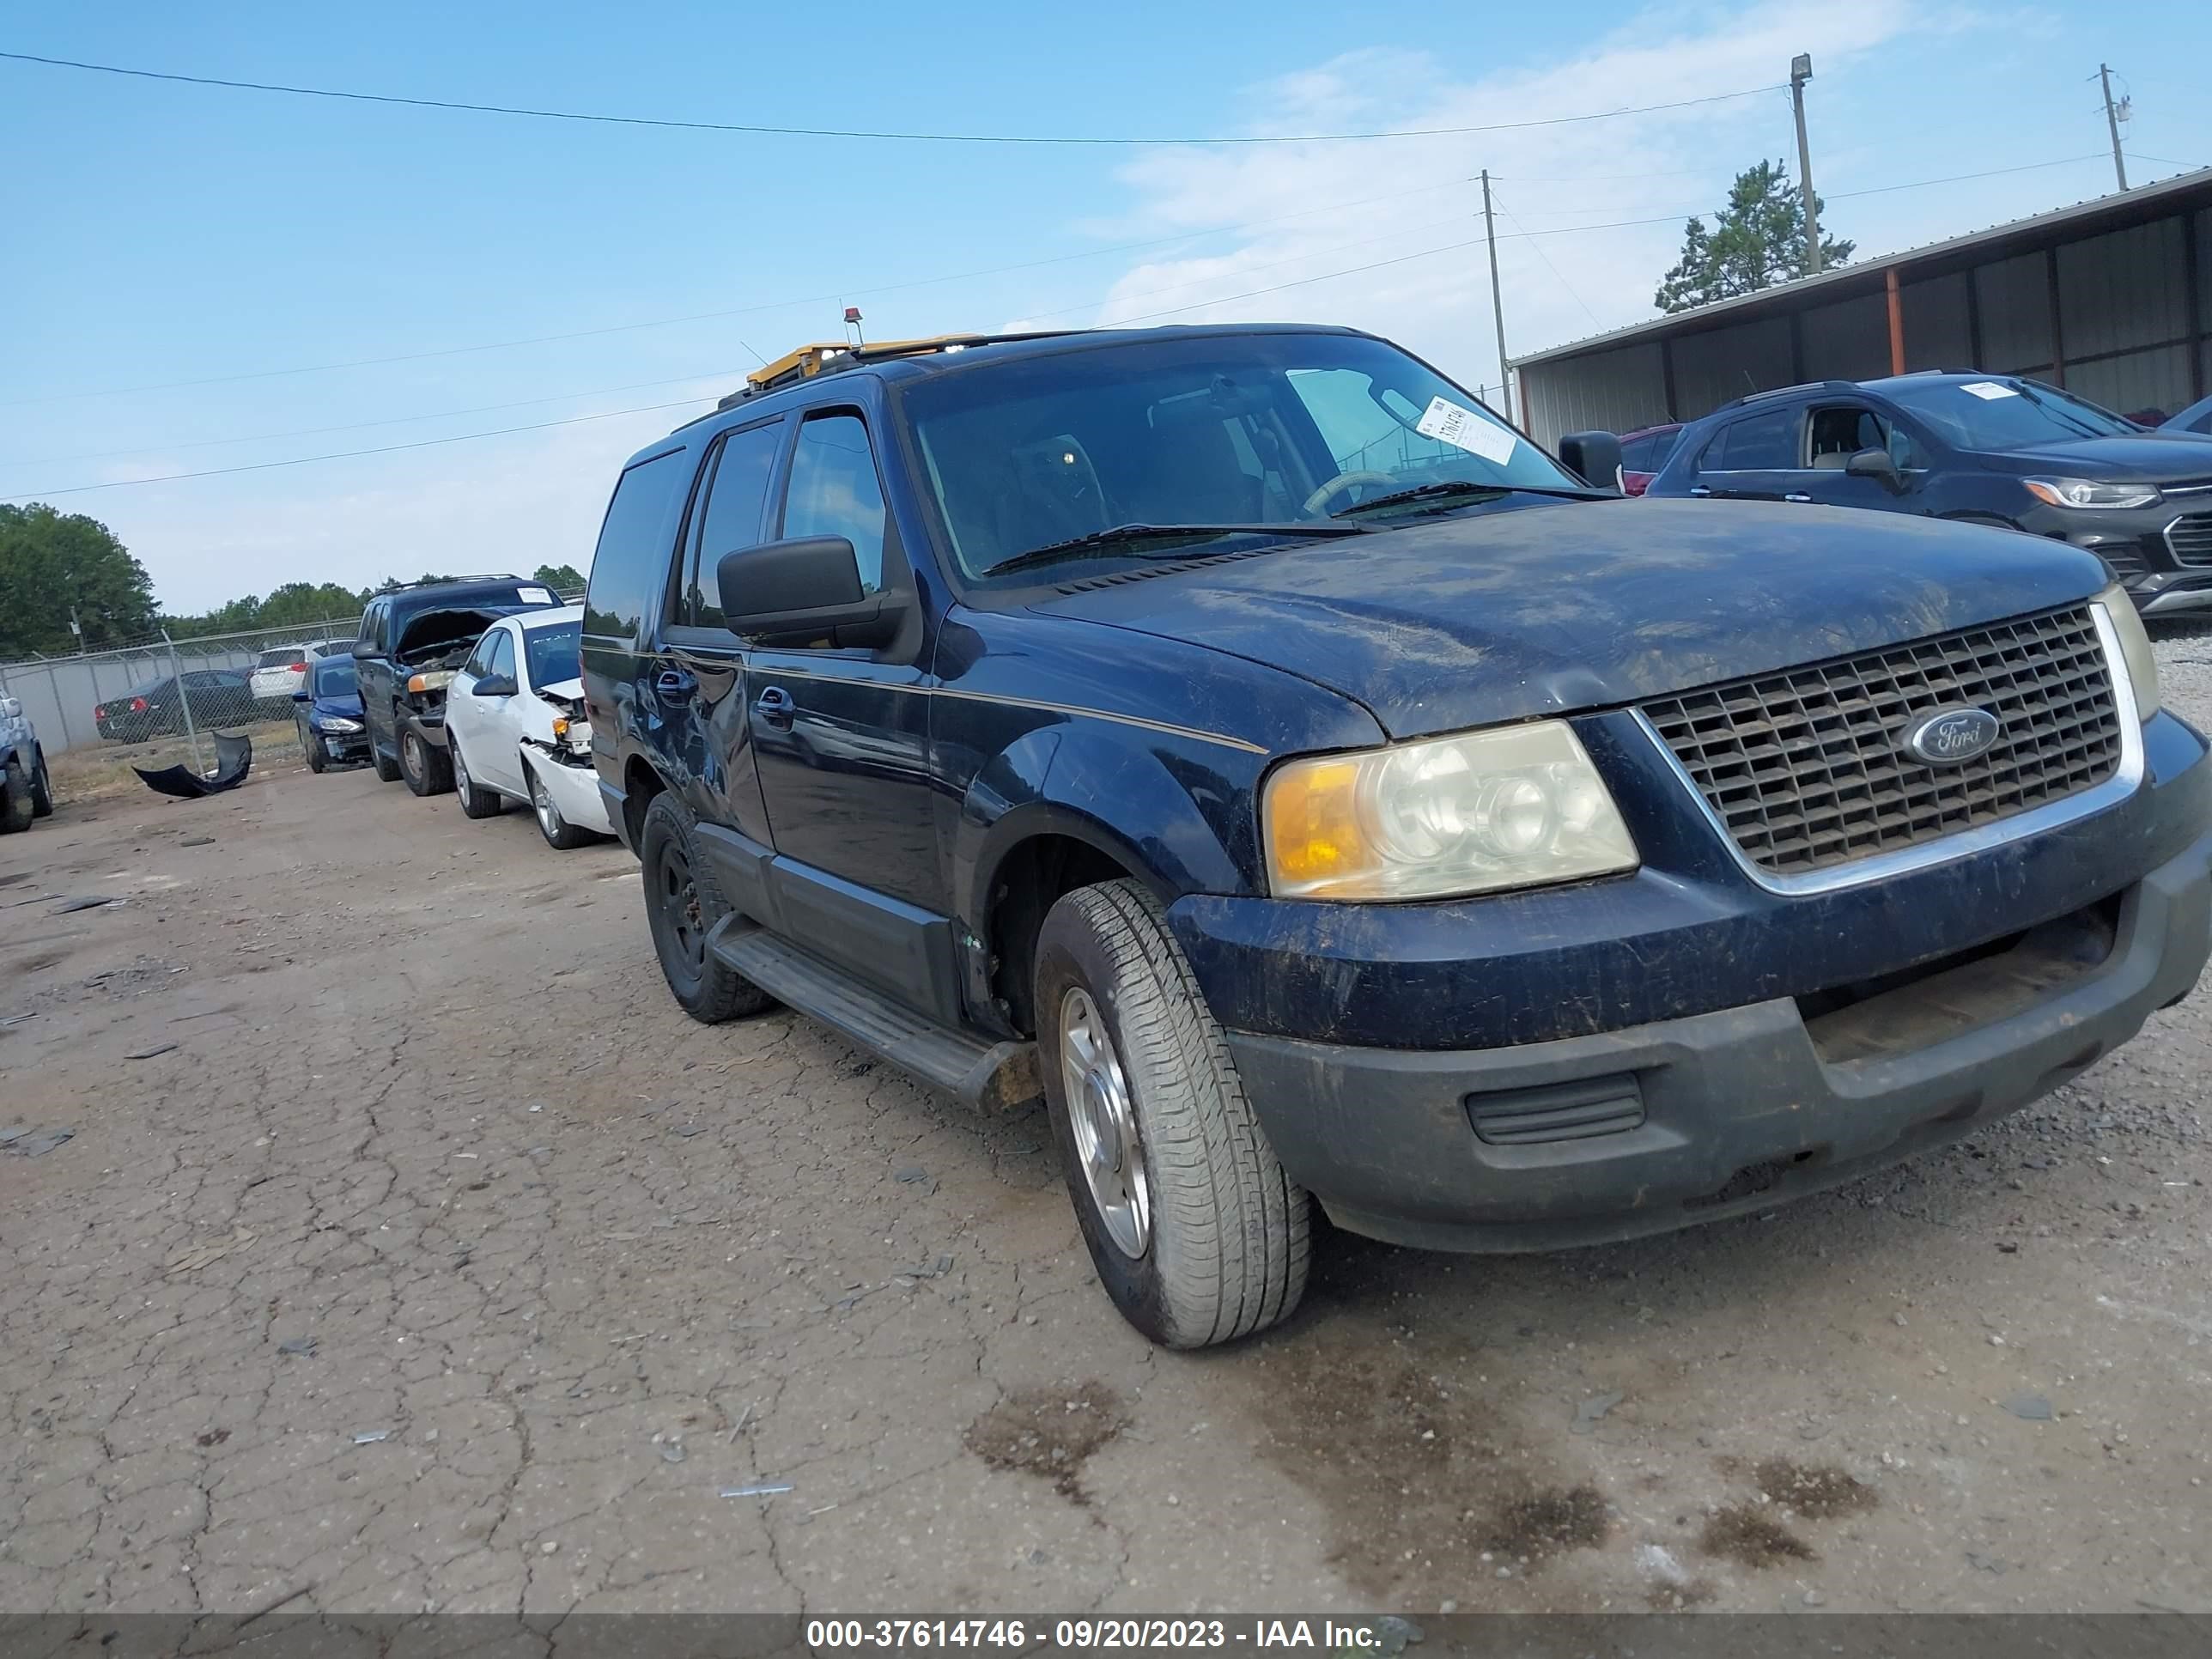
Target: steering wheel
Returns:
[1344, 481]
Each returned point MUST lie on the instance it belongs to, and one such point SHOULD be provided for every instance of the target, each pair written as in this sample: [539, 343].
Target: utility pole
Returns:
[1801, 71]
[1496, 301]
[2112, 125]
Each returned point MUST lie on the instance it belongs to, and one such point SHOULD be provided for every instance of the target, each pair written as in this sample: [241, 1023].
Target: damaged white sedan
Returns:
[514, 724]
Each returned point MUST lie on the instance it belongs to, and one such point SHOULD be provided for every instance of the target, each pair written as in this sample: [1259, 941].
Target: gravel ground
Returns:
[412, 1252]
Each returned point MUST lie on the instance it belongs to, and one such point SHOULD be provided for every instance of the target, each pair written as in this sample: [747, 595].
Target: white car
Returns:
[276, 674]
[515, 728]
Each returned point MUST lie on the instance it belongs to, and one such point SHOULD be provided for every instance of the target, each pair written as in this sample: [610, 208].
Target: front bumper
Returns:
[575, 792]
[1623, 1057]
[1719, 1113]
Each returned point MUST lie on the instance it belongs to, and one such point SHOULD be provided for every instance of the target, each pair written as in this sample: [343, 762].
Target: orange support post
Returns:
[1896, 325]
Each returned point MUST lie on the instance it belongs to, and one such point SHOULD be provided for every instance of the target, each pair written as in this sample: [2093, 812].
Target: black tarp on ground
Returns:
[234, 759]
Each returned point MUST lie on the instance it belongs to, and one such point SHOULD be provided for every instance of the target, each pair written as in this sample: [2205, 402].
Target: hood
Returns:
[1470, 622]
[2168, 457]
[563, 691]
[441, 628]
[348, 705]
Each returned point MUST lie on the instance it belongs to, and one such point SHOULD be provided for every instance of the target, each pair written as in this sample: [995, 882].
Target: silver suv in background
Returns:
[26, 792]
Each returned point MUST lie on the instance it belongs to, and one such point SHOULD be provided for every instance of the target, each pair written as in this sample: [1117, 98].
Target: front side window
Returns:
[833, 491]
[1257, 429]
[631, 555]
[551, 654]
[736, 494]
[479, 662]
[499, 660]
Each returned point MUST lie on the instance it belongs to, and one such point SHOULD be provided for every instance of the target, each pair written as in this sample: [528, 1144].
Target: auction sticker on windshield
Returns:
[1461, 427]
[534, 596]
[1989, 391]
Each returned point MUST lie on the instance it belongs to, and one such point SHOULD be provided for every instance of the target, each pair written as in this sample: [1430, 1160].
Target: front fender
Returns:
[1175, 812]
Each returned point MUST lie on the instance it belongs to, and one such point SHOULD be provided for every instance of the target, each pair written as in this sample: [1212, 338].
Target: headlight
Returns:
[1516, 807]
[337, 723]
[2134, 647]
[2088, 492]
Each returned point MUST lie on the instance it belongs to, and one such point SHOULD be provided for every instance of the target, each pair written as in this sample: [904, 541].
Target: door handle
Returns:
[1699, 489]
[674, 684]
[1793, 497]
[775, 707]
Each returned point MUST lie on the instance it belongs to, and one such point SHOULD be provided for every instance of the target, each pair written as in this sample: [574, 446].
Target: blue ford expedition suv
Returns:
[1315, 792]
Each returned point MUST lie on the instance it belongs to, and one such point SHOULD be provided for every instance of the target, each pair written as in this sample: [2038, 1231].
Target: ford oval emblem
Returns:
[1952, 736]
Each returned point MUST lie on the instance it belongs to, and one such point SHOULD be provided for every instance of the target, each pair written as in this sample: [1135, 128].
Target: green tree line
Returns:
[57, 568]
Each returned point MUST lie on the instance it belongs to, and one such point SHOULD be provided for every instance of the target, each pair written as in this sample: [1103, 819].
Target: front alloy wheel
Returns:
[1104, 1122]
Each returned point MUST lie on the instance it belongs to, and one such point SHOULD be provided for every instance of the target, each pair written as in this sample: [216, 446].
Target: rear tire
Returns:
[476, 801]
[42, 790]
[561, 836]
[1197, 1235]
[682, 902]
[428, 771]
[15, 809]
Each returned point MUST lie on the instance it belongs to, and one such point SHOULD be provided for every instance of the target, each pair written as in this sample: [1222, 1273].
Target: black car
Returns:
[1993, 449]
[219, 696]
[412, 641]
[1244, 739]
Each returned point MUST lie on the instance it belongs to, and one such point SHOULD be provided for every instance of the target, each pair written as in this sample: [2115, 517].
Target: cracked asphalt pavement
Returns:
[429, 1259]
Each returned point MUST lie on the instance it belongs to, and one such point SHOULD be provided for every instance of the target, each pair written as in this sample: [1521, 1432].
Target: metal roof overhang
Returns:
[2112, 212]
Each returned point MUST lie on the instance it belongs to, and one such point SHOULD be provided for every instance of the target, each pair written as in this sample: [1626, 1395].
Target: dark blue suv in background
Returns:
[1993, 449]
[1315, 791]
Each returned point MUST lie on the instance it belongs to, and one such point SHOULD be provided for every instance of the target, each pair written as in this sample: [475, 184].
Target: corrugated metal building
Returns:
[2111, 299]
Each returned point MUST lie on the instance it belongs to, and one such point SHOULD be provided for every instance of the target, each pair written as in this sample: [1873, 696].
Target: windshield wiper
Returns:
[1461, 489]
[1128, 535]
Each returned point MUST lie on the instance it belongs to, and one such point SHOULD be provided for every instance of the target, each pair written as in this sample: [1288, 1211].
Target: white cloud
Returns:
[1660, 165]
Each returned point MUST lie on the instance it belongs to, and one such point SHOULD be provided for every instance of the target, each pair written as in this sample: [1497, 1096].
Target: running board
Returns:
[998, 1077]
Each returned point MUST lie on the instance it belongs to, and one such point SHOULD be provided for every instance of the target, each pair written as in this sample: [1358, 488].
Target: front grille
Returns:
[1807, 768]
[2190, 536]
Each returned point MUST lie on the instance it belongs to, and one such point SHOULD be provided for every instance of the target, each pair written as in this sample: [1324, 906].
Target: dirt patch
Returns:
[38, 961]
[1543, 1523]
[1742, 1535]
[1679, 1598]
[1819, 1492]
[1049, 1431]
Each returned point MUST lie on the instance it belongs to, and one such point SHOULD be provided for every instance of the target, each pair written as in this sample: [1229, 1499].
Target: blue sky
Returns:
[163, 232]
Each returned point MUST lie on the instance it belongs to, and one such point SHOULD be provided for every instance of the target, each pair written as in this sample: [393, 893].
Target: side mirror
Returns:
[495, 685]
[11, 708]
[1595, 456]
[805, 588]
[302, 694]
[361, 648]
[1875, 463]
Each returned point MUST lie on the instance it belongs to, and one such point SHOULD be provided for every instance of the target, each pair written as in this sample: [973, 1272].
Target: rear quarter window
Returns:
[636, 541]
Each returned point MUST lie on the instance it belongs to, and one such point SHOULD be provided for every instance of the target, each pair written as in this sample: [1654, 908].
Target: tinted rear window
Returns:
[632, 556]
[1766, 441]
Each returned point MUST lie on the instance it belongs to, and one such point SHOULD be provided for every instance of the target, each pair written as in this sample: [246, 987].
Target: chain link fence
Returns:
[163, 689]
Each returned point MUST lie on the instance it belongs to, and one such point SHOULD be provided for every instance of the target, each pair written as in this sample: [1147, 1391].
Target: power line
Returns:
[363, 426]
[1557, 273]
[350, 454]
[852, 132]
[716, 316]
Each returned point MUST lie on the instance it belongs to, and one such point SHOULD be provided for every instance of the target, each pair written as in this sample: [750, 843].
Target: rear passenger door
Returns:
[1757, 457]
[700, 679]
[372, 675]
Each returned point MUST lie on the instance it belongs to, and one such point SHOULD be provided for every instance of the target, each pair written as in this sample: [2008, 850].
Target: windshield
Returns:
[1244, 429]
[2001, 413]
[552, 652]
[334, 676]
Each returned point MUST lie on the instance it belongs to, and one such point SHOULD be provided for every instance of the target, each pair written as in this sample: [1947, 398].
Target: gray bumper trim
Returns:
[1739, 1108]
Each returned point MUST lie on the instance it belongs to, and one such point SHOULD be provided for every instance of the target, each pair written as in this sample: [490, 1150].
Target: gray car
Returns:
[25, 790]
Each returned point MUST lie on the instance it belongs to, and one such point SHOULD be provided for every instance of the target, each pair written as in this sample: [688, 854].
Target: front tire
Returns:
[15, 808]
[311, 746]
[561, 836]
[428, 771]
[476, 801]
[682, 902]
[1197, 1235]
[42, 790]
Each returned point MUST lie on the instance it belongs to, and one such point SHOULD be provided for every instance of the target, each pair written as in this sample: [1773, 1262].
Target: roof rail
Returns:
[1790, 392]
[828, 357]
